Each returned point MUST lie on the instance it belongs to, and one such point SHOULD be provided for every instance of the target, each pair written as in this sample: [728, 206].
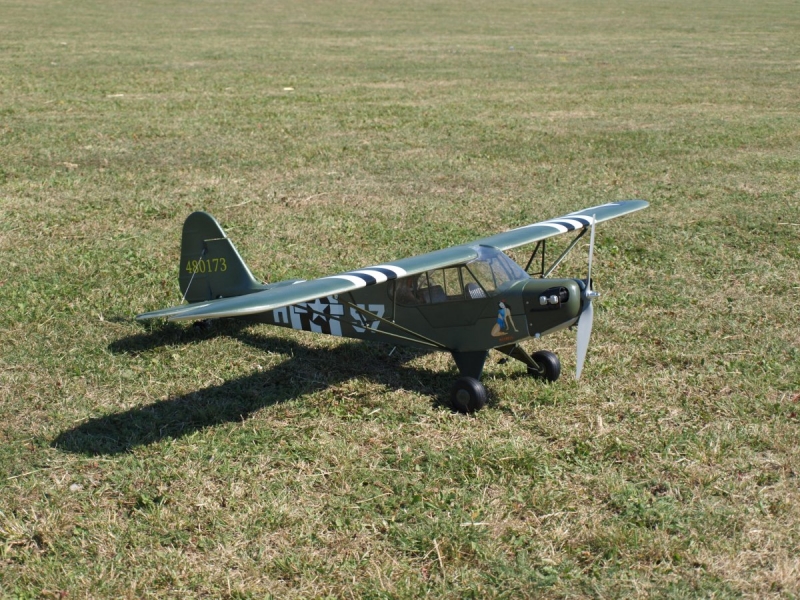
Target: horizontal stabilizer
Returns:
[168, 313]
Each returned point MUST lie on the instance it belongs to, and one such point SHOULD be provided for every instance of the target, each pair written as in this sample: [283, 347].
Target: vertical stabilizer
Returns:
[210, 265]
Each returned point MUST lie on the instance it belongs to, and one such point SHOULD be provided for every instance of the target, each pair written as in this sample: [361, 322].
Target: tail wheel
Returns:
[468, 395]
[549, 366]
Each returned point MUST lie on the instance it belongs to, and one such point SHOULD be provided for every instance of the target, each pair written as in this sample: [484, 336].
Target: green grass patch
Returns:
[156, 460]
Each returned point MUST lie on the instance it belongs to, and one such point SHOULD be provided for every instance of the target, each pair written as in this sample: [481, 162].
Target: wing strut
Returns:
[564, 253]
[542, 244]
[417, 338]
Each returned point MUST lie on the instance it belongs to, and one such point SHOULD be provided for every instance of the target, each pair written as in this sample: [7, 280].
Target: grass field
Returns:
[155, 461]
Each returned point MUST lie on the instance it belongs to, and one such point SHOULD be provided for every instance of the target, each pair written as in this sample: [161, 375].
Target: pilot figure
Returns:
[407, 291]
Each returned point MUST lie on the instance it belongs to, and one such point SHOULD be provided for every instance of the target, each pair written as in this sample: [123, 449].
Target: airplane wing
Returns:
[552, 227]
[304, 291]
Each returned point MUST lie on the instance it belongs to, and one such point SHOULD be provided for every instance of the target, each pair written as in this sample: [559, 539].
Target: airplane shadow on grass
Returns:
[306, 370]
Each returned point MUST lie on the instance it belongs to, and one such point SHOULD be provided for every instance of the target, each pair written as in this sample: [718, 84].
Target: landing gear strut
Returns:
[542, 365]
[468, 394]
[548, 367]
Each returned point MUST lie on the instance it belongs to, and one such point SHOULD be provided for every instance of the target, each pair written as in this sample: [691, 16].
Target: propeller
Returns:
[586, 317]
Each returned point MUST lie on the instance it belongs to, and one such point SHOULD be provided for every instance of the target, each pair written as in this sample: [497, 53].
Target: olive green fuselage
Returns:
[459, 324]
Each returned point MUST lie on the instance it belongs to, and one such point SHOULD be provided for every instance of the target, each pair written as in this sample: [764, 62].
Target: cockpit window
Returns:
[494, 270]
[484, 276]
[432, 287]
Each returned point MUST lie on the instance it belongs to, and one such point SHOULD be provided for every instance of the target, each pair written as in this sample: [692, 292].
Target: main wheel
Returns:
[468, 395]
[549, 366]
[204, 325]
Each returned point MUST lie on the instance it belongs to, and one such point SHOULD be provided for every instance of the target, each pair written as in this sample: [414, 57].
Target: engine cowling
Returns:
[552, 304]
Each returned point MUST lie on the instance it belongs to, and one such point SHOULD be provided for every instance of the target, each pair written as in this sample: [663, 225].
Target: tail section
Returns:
[210, 265]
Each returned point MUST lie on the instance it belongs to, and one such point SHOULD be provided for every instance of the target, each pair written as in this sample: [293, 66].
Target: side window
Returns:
[482, 271]
[472, 289]
[452, 284]
[445, 285]
[406, 291]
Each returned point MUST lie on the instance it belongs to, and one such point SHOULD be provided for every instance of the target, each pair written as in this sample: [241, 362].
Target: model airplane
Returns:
[465, 300]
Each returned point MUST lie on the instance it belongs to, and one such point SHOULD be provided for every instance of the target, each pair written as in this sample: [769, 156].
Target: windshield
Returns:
[494, 270]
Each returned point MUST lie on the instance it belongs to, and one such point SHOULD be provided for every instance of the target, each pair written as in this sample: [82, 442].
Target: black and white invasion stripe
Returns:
[565, 224]
[371, 275]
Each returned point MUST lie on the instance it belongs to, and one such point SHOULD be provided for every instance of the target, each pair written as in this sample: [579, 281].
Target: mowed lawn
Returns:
[156, 460]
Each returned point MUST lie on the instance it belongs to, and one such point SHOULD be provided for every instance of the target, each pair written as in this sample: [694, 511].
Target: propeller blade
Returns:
[584, 333]
[586, 319]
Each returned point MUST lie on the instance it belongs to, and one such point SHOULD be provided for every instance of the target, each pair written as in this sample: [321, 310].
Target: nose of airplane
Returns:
[552, 304]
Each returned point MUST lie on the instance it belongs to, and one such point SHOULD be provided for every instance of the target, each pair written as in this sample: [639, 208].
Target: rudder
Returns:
[210, 265]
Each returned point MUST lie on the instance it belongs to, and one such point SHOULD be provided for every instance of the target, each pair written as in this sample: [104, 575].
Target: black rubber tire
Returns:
[468, 395]
[204, 325]
[549, 363]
